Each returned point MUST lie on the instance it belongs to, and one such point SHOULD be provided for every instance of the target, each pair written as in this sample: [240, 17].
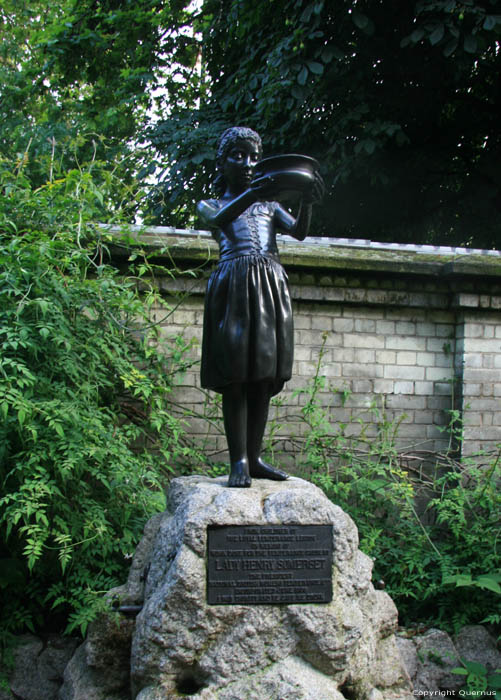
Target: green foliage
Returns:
[77, 74]
[425, 527]
[398, 101]
[86, 435]
[477, 679]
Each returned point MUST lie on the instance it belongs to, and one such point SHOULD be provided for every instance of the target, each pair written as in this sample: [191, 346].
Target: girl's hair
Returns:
[228, 139]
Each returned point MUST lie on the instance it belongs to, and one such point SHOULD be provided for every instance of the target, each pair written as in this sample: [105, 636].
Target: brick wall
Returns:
[406, 333]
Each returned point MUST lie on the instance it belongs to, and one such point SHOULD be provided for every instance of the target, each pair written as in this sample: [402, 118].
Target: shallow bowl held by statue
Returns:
[293, 174]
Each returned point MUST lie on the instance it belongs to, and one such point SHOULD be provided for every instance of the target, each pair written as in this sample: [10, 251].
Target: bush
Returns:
[425, 523]
[86, 435]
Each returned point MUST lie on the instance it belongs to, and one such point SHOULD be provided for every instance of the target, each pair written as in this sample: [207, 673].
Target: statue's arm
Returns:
[218, 217]
[297, 227]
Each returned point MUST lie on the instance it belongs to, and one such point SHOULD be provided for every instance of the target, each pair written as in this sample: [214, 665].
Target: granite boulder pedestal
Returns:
[182, 645]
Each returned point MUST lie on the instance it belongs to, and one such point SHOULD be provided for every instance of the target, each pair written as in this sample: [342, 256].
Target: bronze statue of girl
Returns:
[247, 347]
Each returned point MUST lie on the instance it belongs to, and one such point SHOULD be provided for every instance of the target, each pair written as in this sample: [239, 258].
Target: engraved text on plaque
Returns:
[269, 564]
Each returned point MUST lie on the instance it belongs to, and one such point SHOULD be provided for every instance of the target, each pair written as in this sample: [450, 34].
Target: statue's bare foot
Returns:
[239, 474]
[261, 470]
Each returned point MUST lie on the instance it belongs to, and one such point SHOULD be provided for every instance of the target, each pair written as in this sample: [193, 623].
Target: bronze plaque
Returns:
[269, 564]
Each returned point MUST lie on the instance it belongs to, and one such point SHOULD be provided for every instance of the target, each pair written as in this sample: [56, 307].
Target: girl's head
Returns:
[228, 139]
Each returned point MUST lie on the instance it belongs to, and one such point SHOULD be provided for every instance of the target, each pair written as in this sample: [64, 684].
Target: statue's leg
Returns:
[258, 403]
[235, 426]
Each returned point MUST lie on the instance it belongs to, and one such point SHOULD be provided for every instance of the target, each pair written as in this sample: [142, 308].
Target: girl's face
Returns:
[239, 165]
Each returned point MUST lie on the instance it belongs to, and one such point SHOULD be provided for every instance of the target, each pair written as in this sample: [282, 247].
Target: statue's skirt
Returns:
[248, 327]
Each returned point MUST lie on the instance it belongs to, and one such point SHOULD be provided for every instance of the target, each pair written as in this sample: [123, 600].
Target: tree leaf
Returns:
[307, 13]
[303, 75]
[437, 35]
[459, 671]
[489, 583]
[315, 67]
[490, 22]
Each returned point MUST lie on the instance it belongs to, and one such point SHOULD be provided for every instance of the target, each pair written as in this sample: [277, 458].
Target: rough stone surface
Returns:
[99, 670]
[429, 657]
[342, 649]
[436, 657]
[474, 643]
[39, 666]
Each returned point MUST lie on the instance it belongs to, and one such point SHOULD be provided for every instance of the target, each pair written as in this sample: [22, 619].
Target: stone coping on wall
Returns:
[331, 269]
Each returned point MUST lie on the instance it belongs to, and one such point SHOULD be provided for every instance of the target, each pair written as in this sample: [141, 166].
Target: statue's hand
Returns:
[317, 190]
[264, 187]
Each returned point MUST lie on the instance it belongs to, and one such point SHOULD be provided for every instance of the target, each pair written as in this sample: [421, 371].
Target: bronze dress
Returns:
[248, 327]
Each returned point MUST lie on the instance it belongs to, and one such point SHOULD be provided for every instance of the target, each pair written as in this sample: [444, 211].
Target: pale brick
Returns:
[405, 328]
[404, 388]
[355, 295]
[497, 361]
[437, 345]
[437, 374]
[342, 325]
[362, 386]
[304, 337]
[406, 402]
[395, 314]
[469, 300]
[301, 321]
[443, 388]
[302, 352]
[425, 359]
[307, 369]
[425, 329]
[385, 327]
[383, 386]
[403, 372]
[474, 361]
[365, 356]
[330, 369]
[481, 375]
[445, 330]
[363, 341]
[434, 431]
[410, 431]
[386, 357]
[483, 345]
[344, 354]
[423, 417]
[406, 358]
[183, 317]
[488, 361]
[472, 418]
[398, 343]
[484, 404]
[441, 418]
[443, 360]
[474, 330]
[488, 434]
[323, 323]
[438, 403]
[423, 388]
[365, 325]
[357, 370]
